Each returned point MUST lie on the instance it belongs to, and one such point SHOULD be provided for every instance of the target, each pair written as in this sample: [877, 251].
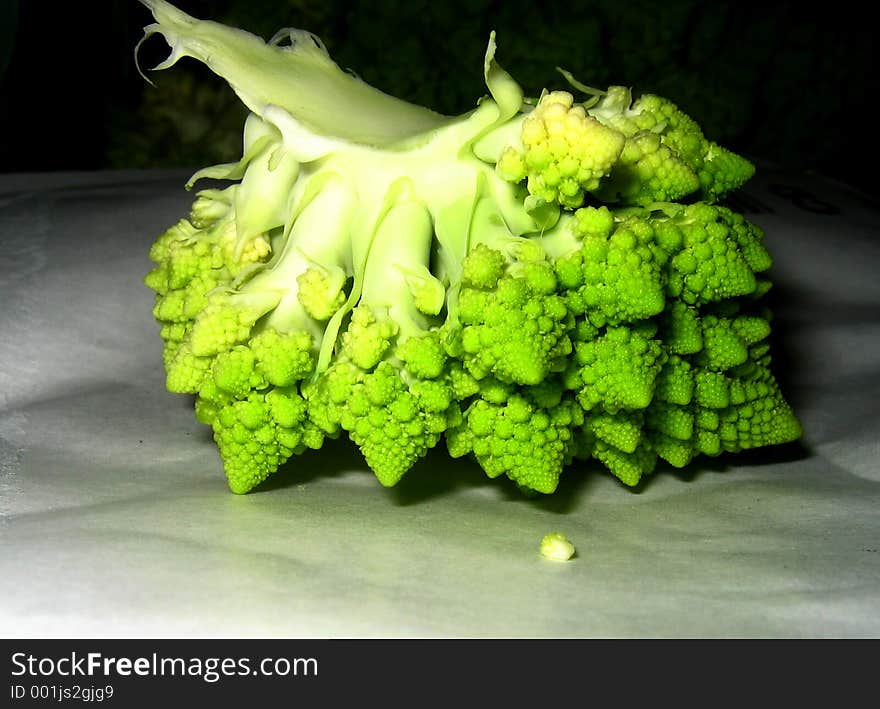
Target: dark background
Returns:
[786, 84]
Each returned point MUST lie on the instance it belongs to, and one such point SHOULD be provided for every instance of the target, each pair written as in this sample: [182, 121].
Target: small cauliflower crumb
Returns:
[556, 546]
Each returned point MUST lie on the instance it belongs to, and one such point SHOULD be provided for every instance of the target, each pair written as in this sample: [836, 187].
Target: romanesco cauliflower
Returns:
[535, 282]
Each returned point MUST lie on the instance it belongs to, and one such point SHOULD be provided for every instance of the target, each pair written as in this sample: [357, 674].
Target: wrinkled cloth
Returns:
[116, 521]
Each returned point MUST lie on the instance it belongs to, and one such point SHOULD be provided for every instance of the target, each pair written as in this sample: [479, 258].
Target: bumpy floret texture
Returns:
[393, 408]
[193, 258]
[666, 157]
[514, 326]
[543, 285]
[565, 151]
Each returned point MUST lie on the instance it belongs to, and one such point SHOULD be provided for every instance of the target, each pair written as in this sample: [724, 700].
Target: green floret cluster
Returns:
[534, 283]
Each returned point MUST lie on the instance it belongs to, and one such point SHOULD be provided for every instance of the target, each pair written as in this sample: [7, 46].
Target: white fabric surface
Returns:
[115, 519]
